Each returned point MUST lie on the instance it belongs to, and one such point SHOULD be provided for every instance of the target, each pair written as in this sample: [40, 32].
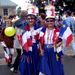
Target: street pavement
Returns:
[69, 65]
[68, 62]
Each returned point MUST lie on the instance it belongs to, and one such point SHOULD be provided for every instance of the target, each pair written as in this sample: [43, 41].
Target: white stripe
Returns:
[40, 73]
[24, 38]
[50, 34]
[38, 30]
[59, 49]
[30, 48]
[28, 34]
[41, 34]
[6, 55]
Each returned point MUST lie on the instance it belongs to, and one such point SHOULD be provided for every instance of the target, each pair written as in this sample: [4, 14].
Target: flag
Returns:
[26, 41]
[41, 35]
[66, 34]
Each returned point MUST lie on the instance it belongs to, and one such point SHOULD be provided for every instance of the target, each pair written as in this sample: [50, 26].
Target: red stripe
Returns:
[19, 39]
[41, 40]
[25, 47]
[27, 28]
[36, 36]
[33, 10]
[29, 42]
[69, 39]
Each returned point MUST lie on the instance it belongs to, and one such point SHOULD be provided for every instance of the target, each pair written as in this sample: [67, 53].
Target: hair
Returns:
[43, 16]
[68, 12]
[11, 17]
[74, 13]
[23, 13]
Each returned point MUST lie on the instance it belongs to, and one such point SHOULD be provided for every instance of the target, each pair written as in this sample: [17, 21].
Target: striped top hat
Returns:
[32, 9]
[50, 11]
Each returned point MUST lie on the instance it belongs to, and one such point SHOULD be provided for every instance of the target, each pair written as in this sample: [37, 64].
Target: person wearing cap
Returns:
[30, 47]
[49, 42]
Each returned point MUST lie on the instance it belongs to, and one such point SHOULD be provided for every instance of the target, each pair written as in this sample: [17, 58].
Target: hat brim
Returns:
[50, 17]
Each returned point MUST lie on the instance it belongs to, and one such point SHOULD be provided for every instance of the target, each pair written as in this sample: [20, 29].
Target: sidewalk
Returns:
[69, 51]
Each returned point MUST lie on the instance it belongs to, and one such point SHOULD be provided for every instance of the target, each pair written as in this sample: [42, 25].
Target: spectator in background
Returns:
[19, 26]
[7, 43]
[21, 22]
[2, 24]
[58, 22]
[73, 15]
[15, 18]
[70, 22]
[64, 16]
[42, 19]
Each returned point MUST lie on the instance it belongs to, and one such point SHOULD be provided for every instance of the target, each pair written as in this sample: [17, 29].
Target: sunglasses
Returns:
[50, 20]
[30, 18]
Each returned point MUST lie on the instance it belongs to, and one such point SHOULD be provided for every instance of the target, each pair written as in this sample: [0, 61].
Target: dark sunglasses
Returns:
[50, 20]
[30, 18]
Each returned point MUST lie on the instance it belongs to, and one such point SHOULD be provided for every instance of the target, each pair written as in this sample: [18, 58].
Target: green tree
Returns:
[70, 4]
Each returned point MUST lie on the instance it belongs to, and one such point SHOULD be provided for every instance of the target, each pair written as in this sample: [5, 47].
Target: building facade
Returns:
[7, 8]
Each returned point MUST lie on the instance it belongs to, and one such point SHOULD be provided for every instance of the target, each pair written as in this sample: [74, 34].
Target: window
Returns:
[5, 11]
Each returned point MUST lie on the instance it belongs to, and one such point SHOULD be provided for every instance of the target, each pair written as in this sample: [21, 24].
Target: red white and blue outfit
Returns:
[29, 64]
[48, 61]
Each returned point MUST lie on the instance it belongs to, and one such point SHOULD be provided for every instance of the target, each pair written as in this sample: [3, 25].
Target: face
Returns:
[50, 22]
[42, 21]
[31, 20]
[9, 23]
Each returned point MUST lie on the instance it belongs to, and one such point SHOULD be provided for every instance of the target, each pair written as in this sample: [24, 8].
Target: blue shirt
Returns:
[69, 21]
[20, 23]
